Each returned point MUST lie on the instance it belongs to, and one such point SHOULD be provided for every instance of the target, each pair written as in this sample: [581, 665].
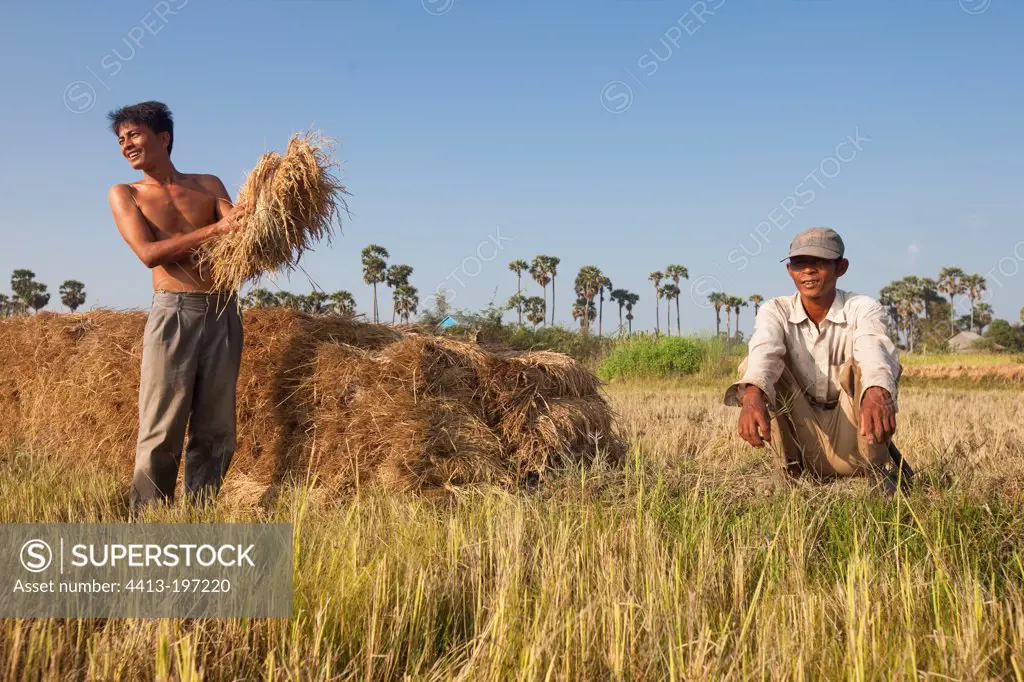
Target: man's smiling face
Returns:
[140, 145]
[816, 277]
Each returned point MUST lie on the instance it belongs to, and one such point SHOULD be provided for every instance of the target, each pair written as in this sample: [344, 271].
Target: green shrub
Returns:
[647, 357]
[560, 339]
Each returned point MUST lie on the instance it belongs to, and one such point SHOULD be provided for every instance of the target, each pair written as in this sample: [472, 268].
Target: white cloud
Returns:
[913, 251]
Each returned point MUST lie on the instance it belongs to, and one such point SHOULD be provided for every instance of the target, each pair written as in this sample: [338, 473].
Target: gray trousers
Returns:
[191, 354]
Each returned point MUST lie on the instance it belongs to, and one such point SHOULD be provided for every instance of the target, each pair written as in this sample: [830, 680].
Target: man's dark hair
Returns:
[155, 115]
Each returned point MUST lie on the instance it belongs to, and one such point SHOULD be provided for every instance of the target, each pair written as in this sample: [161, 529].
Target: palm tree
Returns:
[519, 266]
[670, 291]
[888, 298]
[676, 272]
[72, 294]
[407, 301]
[600, 305]
[619, 296]
[5, 306]
[983, 315]
[656, 277]
[28, 292]
[539, 273]
[951, 283]
[584, 311]
[535, 308]
[929, 295]
[314, 302]
[515, 302]
[975, 285]
[39, 298]
[631, 300]
[23, 283]
[717, 299]
[757, 300]
[727, 304]
[286, 299]
[668, 308]
[552, 268]
[397, 276]
[909, 303]
[375, 270]
[342, 303]
[737, 303]
[259, 298]
[589, 281]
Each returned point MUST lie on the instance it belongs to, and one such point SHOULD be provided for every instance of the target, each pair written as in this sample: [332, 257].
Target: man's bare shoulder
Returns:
[210, 184]
[120, 192]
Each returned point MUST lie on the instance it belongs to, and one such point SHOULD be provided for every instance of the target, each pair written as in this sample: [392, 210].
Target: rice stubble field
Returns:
[694, 561]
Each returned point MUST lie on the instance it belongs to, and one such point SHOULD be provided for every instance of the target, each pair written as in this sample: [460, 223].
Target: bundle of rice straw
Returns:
[321, 397]
[288, 203]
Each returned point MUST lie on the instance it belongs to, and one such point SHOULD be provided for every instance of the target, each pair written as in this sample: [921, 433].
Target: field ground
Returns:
[966, 359]
[694, 562]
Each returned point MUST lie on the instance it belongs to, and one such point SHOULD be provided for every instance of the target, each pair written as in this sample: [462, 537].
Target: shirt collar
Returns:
[797, 314]
[836, 314]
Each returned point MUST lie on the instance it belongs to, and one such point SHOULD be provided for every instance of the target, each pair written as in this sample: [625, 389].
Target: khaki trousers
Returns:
[825, 442]
[191, 354]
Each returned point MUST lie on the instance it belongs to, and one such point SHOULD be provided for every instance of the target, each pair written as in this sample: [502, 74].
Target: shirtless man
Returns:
[192, 346]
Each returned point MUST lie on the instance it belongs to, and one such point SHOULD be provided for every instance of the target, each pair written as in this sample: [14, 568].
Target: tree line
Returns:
[29, 294]
[918, 309]
[924, 309]
[314, 303]
[589, 286]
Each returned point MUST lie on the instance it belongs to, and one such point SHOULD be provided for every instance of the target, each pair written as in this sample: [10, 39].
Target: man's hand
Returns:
[230, 220]
[877, 415]
[755, 424]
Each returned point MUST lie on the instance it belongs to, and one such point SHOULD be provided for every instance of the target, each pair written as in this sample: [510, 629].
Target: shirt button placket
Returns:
[821, 365]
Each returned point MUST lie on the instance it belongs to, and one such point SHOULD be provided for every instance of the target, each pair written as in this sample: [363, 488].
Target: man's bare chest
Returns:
[176, 209]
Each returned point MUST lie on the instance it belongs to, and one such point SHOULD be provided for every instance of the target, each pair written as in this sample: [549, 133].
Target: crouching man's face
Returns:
[816, 277]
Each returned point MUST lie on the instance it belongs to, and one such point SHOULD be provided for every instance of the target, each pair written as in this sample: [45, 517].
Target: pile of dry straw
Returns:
[355, 404]
[287, 204]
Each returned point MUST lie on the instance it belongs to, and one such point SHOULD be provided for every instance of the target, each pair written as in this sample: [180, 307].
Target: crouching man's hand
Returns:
[877, 415]
[755, 424]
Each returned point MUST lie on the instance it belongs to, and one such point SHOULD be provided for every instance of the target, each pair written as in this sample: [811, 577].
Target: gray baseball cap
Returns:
[821, 242]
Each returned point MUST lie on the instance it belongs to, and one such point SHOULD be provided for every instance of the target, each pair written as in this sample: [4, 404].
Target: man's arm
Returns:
[756, 388]
[878, 359]
[152, 252]
[765, 357]
[873, 350]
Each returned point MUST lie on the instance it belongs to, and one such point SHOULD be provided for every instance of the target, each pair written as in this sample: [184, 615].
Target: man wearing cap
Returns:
[820, 380]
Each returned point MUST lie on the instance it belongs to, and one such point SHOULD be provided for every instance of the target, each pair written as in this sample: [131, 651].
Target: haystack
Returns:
[286, 205]
[349, 403]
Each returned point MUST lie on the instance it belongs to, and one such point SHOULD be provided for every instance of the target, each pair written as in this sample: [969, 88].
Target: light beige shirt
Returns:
[785, 337]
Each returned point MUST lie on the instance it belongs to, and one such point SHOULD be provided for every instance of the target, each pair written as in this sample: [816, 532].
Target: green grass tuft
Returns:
[647, 357]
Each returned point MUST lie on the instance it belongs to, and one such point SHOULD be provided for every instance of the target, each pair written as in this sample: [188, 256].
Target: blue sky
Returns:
[628, 134]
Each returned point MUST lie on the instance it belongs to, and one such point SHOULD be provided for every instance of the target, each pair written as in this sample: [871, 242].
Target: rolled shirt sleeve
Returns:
[874, 352]
[766, 357]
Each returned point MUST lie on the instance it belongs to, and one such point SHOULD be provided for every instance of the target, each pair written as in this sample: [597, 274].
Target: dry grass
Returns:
[347, 403]
[288, 203]
[1006, 372]
[967, 359]
[692, 562]
[689, 564]
[973, 440]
